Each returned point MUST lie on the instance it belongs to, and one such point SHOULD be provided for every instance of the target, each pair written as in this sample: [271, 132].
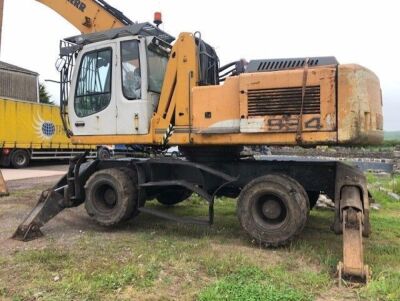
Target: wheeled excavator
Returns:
[132, 83]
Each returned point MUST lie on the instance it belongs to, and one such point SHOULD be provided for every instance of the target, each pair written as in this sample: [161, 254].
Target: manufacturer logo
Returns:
[44, 129]
[78, 4]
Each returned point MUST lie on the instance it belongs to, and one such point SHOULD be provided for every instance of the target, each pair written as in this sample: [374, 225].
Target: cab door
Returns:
[92, 104]
[134, 109]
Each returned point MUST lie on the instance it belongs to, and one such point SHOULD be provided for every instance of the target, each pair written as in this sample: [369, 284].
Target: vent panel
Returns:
[283, 101]
[290, 63]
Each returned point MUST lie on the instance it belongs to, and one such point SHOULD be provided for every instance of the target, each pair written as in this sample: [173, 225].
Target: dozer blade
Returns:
[352, 267]
[49, 205]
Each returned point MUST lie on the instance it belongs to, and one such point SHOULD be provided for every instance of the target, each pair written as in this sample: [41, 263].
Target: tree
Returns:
[44, 96]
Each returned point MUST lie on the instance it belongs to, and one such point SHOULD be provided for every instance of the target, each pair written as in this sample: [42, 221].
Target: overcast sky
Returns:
[355, 31]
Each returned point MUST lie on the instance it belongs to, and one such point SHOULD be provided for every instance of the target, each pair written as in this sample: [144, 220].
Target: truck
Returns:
[136, 84]
[33, 131]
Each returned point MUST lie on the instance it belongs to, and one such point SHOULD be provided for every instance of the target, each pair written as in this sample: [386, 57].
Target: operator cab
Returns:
[120, 74]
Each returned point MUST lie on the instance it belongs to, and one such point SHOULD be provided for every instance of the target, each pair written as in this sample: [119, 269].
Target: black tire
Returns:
[19, 158]
[173, 196]
[134, 180]
[110, 196]
[300, 189]
[273, 209]
[174, 154]
[103, 154]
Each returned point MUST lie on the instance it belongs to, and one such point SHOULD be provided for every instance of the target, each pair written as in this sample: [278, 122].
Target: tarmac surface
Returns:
[25, 178]
[36, 171]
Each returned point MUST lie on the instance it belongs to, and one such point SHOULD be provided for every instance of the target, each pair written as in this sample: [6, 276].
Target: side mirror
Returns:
[60, 63]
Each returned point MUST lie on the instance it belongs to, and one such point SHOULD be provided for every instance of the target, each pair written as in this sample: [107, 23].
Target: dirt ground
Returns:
[24, 194]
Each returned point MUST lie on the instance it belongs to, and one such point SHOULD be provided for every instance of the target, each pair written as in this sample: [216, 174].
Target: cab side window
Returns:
[130, 65]
[93, 91]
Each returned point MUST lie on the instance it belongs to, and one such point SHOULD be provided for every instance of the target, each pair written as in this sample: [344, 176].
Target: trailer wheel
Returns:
[273, 209]
[110, 196]
[173, 196]
[19, 158]
[103, 153]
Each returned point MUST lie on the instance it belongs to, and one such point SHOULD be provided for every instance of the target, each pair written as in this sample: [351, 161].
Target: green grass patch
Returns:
[49, 258]
[385, 286]
[251, 283]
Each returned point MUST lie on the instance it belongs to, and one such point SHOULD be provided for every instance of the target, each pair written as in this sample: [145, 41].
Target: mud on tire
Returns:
[273, 209]
[111, 196]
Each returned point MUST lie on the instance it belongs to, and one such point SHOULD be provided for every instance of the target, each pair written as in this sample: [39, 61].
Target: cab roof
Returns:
[143, 29]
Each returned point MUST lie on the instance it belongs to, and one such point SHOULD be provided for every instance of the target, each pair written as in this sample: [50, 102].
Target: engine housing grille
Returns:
[291, 63]
[283, 101]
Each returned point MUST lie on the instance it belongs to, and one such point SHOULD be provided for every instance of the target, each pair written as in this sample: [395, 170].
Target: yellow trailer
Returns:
[33, 131]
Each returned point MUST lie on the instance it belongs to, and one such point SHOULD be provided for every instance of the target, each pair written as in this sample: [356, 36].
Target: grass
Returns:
[392, 135]
[251, 283]
[153, 259]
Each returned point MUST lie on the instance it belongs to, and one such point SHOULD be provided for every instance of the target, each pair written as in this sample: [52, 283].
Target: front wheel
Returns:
[273, 209]
[111, 196]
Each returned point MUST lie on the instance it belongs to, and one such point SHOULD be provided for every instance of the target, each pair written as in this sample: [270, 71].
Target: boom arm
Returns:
[88, 15]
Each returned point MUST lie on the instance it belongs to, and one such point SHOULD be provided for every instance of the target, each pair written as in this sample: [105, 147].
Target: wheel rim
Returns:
[269, 210]
[105, 197]
[20, 159]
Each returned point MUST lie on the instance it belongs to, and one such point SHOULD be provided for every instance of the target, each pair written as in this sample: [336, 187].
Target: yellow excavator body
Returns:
[342, 104]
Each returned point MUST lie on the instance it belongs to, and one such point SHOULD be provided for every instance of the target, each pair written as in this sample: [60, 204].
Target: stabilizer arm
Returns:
[65, 194]
[352, 227]
[49, 205]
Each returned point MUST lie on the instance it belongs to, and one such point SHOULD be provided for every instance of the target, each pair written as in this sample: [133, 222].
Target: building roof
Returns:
[9, 67]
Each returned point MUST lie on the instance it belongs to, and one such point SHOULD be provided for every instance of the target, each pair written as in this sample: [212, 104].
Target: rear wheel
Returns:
[19, 158]
[172, 196]
[111, 196]
[273, 209]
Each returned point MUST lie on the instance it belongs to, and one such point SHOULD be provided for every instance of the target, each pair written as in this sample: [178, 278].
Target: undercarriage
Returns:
[274, 197]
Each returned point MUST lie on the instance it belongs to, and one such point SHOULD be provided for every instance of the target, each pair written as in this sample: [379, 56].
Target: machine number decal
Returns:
[283, 124]
[78, 4]
[313, 123]
[288, 124]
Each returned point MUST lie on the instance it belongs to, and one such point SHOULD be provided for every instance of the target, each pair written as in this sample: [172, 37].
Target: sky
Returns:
[355, 31]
